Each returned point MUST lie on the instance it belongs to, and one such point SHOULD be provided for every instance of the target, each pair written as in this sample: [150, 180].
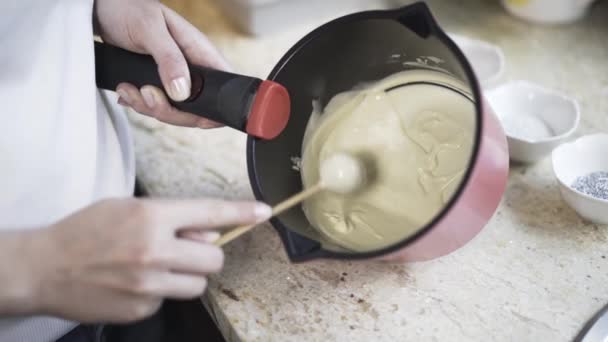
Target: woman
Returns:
[74, 245]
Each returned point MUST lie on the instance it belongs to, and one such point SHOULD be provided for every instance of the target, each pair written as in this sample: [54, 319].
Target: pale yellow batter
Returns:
[415, 142]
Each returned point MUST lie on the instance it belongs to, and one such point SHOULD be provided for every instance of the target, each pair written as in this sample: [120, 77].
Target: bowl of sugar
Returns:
[535, 119]
[581, 168]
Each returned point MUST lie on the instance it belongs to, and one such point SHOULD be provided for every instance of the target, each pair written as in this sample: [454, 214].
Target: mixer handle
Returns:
[248, 104]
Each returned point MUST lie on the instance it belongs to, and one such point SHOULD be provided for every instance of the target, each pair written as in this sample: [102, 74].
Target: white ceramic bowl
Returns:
[535, 119]
[548, 11]
[487, 60]
[579, 158]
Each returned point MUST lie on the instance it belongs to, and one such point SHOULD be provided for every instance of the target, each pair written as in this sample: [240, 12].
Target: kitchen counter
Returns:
[537, 272]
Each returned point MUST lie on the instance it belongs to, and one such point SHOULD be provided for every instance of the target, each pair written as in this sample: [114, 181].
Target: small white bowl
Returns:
[579, 158]
[535, 119]
[548, 11]
[487, 60]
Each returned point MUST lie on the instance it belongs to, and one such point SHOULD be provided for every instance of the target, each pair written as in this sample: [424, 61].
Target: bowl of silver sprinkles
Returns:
[581, 168]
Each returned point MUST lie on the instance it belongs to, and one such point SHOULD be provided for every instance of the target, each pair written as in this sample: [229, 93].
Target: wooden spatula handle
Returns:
[276, 210]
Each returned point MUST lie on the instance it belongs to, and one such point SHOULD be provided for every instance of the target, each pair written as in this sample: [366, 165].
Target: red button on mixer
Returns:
[270, 111]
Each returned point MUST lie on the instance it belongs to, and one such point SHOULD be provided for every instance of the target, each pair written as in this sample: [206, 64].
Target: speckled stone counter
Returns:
[536, 273]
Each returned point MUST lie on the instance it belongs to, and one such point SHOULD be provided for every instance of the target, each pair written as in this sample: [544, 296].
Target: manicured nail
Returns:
[203, 124]
[123, 95]
[207, 236]
[148, 95]
[210, 237]
[262, 212]
[206, 124]
[180, 89]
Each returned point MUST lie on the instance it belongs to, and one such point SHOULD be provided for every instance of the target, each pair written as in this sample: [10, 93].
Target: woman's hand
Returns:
[116, 260]
[149, 27]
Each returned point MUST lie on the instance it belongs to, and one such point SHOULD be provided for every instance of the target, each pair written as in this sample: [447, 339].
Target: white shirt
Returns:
[63, 143]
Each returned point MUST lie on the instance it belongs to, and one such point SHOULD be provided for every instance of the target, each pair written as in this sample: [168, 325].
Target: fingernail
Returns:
[262, 212]
[180, 89]
[207, 236]
[205, 124]
[211, 237]
[123, 95]
[148, 96]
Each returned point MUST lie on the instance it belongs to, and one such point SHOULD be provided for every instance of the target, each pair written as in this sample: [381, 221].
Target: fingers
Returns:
[191, 257]
[180, 270]
[195, 235]
[163, 284]
[194, 44]
[171, 39]
[177, 269]
[118, 307]
[133, 309]
[151, 101]
[130, 96]
[172, 65]
[184, 286]
[209, 214]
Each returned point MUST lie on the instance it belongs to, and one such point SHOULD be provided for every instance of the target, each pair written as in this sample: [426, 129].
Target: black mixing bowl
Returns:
[366, 46]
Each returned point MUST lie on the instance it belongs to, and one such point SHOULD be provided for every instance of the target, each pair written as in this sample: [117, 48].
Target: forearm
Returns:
[18, 279]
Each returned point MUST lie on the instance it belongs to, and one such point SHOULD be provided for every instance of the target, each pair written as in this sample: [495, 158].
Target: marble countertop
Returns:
[537, 272]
